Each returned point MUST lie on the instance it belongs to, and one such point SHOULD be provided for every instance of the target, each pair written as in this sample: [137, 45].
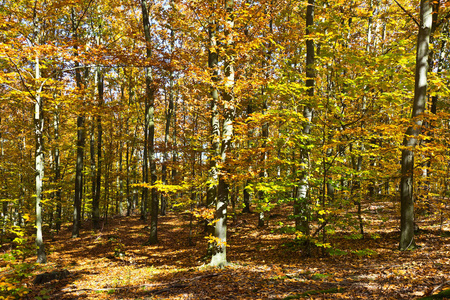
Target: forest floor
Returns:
[264, 263]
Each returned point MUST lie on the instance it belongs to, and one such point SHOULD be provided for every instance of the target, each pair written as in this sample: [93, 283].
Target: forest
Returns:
[232, 149]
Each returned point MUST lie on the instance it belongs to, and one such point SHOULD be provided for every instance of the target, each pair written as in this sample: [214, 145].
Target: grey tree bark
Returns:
[264, 130]
[80, 143]
[412, 133]
[4, 211]
[57, 170]
[129, 152]
[301, 205]
[149, 120]
[219, 253]
[246, 194]
[39, 154]
[93, 162]
[169, 113]
[98, 183]
[213, 61]
[263, 173]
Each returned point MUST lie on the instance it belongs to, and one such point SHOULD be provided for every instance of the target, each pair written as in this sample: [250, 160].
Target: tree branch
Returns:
[409, 14]
[21, 77]
[443, 20]
[82, 16]
[437, 288]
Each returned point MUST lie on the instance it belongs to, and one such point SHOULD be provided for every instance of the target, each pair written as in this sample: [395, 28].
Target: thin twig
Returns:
[21, 77]
[443, 20]
[439, 287]
[408, 13]
[82, 16]
[168, 288]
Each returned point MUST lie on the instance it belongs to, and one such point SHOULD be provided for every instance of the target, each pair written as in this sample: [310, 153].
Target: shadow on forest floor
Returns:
[265, 263]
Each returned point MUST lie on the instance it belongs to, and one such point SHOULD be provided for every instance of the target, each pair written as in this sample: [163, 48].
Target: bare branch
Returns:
[408, 13]
[21, 77]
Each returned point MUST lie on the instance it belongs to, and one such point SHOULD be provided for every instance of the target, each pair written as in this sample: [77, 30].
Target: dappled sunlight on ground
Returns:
[115, 263]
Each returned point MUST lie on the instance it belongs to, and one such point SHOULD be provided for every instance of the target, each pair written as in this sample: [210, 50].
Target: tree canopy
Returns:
[144, 107]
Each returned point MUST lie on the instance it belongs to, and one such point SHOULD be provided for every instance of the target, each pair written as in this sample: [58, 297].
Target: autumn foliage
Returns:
[286, 117]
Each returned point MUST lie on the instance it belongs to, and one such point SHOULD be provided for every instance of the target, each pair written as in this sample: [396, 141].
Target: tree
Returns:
[81, 135]
[39, 131]
[150, 127]
[413, 132]
[219, 257]
[301, 207]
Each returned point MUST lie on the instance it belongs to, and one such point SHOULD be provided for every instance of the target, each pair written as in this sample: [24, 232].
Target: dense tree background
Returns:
[125, 107]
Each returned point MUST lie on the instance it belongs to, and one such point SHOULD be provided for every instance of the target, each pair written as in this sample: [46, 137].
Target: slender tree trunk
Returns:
[96, 199]
[301, 207]
[265, 135]
[4, 188]
[169, 113]
[412, 133]
[93, 165]
[119, 209]
[357, 164]
[145, 177]
[246, 193]
[150, 108]
[128, 157]
[144, 201]
[246, 198]
[107, 182]
[213, 61]
[219, 254]
[435, 59]
[127, 185]
[39, 158]
[57, 169]
[39, 140]
[80, 145]
[263, 174]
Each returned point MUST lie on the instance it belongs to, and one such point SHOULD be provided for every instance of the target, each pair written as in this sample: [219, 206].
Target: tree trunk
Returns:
[412, 133]
[4, 188]
[39, 158]
[150, 108]
[107, 181]
[263, 174]
[57, 170]
[144, 200]
[128, 155]
[435, 59]
[96, 199]
[169, 113]
[301, 207]
[219, 256]
[246, 193]
[80, 144]
[265, 135]
[174, 141]
[93, 165]
[213, 61]
[119, 181]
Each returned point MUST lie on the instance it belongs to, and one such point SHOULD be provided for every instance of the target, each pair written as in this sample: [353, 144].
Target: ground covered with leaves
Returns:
[265, 263]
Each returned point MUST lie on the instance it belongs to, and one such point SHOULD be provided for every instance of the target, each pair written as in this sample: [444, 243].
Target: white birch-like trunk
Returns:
[39, 163]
